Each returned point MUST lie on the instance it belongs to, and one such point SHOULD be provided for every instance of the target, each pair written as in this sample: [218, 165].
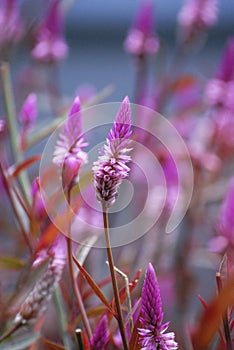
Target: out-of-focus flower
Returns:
[50, 43]
[28, 111]
[27, 117]
[101, 335]
[2, 125]
[11, 26]
[38, 207]
[196, 16]
[141, 39]
[219, 91]
[36, 301]
[69, 152]
[110, 168]
[226, 219]
[152, 333]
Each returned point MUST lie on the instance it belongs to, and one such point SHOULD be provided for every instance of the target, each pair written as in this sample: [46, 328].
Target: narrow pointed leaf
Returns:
[53, 346]
[20, 343]
[11, 263]
[94, 286]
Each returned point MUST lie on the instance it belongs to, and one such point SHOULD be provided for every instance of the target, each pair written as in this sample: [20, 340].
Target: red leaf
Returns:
[94, 286]
[210, 320]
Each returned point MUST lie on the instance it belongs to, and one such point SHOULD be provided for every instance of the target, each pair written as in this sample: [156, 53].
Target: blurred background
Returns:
[95, 31]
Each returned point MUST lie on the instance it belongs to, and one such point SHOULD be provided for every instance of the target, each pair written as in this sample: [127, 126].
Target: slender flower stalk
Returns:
[109, 171]
[101, 335]
[70, 156]
[151, 333]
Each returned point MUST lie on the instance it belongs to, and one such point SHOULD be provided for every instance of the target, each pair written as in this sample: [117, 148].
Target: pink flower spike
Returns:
[110, 168]
[101, 335]
[68, 151]
[152, 335]
[50, 43]
[141, 39]
[28, 112]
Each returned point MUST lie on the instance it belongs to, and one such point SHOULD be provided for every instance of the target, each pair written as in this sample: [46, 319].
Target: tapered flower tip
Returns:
[101, 335]
[145, 20]
[124, 113]
[76, 106]
[28, 111]
[226, 68]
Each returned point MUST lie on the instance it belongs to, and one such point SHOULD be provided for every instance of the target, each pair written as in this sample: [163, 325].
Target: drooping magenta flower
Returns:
[11, 26]
[69, 152]
[50, 43]
[110, 168]
[101, 335]
[152, 333]
[197, 15]
[141, 39]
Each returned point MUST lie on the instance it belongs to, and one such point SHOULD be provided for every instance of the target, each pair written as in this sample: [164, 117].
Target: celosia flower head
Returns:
[101, 335]
[11, 26]
[226, 68]
[152, 334]
[50, 43]
[69, 152]
[110, 168]
[141, 38]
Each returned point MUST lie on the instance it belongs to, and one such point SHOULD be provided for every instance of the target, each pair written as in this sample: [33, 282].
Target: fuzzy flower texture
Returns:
[110, 168]
[152, 334]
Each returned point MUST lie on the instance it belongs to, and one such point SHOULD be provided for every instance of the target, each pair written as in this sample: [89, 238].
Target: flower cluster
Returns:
[110, 168]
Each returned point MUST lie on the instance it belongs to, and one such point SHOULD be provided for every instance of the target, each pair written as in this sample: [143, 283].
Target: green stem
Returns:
[62, 318]
[113, 277]
[75, 287]
[12, 121]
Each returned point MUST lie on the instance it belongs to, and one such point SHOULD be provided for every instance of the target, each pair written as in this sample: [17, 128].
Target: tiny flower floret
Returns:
[110, 168]
[152, 334]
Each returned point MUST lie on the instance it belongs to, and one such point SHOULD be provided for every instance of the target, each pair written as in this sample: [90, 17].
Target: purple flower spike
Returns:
[69, 147]
[50, 43]
[101, 335]
[152, 335]
[110, 168]
[28, 112]
[141, 38]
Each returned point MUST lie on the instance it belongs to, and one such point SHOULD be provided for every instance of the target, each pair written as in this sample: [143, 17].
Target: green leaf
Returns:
[20, 343]
[11, 263]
